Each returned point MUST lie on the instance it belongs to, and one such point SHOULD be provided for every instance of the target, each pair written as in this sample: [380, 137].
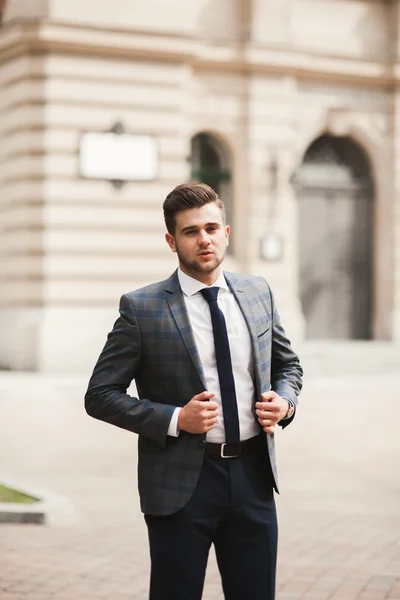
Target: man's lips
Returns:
[206, 253]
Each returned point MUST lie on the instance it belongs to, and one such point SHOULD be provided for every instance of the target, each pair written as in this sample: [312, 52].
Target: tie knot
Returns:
[210, 293]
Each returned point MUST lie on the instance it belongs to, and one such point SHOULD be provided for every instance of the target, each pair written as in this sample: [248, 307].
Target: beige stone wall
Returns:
[98, 229]
[70, 246]
[203, 18]
[21, 201]
[101, 242]
[359, 28]
[17, 9]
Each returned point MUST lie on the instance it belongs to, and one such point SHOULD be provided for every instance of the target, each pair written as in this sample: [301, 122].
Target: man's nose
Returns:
[204, 238]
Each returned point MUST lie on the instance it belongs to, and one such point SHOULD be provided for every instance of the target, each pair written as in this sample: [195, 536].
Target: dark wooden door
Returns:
[335, 249]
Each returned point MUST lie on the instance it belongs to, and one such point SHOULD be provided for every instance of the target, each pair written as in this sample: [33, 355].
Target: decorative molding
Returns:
[26, 37]
[339, 122]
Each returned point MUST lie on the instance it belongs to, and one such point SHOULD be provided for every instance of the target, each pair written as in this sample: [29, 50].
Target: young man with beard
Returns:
[215, 374]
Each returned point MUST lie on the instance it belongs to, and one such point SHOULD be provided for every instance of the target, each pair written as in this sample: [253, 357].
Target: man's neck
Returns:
[206, 278]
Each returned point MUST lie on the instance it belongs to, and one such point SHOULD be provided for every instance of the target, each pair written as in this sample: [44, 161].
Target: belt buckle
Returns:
[230, 455]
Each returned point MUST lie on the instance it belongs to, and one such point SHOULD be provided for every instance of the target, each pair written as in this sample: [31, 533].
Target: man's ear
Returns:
[227, 232]
[170, 241]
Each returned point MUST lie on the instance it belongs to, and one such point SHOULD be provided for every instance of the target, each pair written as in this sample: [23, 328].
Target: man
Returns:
[215, 373]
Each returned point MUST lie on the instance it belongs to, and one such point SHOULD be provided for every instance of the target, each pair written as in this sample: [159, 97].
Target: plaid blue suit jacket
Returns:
[152, 342]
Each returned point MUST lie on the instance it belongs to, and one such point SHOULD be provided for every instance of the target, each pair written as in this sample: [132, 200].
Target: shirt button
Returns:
[202, 444]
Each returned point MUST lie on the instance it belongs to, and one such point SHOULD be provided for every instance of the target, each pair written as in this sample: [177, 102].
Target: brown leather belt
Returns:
[233, 450]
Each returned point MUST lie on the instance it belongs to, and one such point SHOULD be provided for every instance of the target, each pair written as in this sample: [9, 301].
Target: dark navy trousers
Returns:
[233, 508]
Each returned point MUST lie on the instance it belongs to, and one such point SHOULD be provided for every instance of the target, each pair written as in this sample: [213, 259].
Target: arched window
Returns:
[211, 164]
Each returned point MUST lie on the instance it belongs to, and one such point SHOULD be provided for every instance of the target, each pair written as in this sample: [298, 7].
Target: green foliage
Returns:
[209, 174]
[10, 495]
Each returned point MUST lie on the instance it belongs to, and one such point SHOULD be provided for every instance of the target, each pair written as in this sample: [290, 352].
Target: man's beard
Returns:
[196, 266]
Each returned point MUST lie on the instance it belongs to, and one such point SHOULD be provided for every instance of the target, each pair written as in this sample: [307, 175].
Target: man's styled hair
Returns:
[189, 195]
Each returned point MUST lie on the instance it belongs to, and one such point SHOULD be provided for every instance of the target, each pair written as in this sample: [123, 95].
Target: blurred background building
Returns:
[289, 109]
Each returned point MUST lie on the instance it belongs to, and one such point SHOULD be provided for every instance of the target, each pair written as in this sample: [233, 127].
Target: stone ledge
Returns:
[21, 36]
[48, 510]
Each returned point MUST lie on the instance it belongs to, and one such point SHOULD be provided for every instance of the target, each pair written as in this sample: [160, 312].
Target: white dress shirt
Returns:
[241, 354]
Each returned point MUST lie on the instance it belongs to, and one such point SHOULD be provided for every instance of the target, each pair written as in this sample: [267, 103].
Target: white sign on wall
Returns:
[118, 157]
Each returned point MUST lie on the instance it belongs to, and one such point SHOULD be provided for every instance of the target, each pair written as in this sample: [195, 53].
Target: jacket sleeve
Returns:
[286, 372]
[119, 363]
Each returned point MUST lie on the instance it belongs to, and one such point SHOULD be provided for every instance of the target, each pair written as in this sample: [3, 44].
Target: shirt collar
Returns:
[191, 286]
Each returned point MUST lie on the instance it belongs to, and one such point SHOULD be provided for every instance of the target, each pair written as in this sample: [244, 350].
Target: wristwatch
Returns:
[290, 411]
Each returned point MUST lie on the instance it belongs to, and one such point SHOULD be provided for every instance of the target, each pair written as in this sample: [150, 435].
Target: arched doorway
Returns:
[211, 164]
[335, 192]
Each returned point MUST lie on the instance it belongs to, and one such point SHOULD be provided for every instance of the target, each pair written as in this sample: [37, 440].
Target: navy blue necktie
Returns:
[224, 367]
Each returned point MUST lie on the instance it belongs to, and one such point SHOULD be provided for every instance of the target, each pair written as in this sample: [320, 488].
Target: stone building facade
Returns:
[290, 109]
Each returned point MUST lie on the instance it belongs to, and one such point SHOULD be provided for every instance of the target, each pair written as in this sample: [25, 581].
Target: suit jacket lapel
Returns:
[176, 302]
[245, 307]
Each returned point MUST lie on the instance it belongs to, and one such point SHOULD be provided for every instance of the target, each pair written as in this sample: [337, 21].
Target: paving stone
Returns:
[338, 508]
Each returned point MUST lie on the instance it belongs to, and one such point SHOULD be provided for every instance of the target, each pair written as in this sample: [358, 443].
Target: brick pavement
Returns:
[339, 509]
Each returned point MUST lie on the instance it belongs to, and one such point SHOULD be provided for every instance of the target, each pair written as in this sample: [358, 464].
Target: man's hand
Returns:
[271, 410]
[199, 415]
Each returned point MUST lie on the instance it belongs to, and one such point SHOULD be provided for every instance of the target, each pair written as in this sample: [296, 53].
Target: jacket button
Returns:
[202, 444]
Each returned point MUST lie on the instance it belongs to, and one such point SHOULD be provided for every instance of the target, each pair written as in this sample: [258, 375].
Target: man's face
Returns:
[200, 241]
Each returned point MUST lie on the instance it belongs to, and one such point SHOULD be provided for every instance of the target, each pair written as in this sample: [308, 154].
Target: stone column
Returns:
[273, 209]
[22, 168]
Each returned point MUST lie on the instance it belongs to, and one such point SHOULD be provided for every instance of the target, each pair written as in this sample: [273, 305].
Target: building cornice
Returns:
[19, 38]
